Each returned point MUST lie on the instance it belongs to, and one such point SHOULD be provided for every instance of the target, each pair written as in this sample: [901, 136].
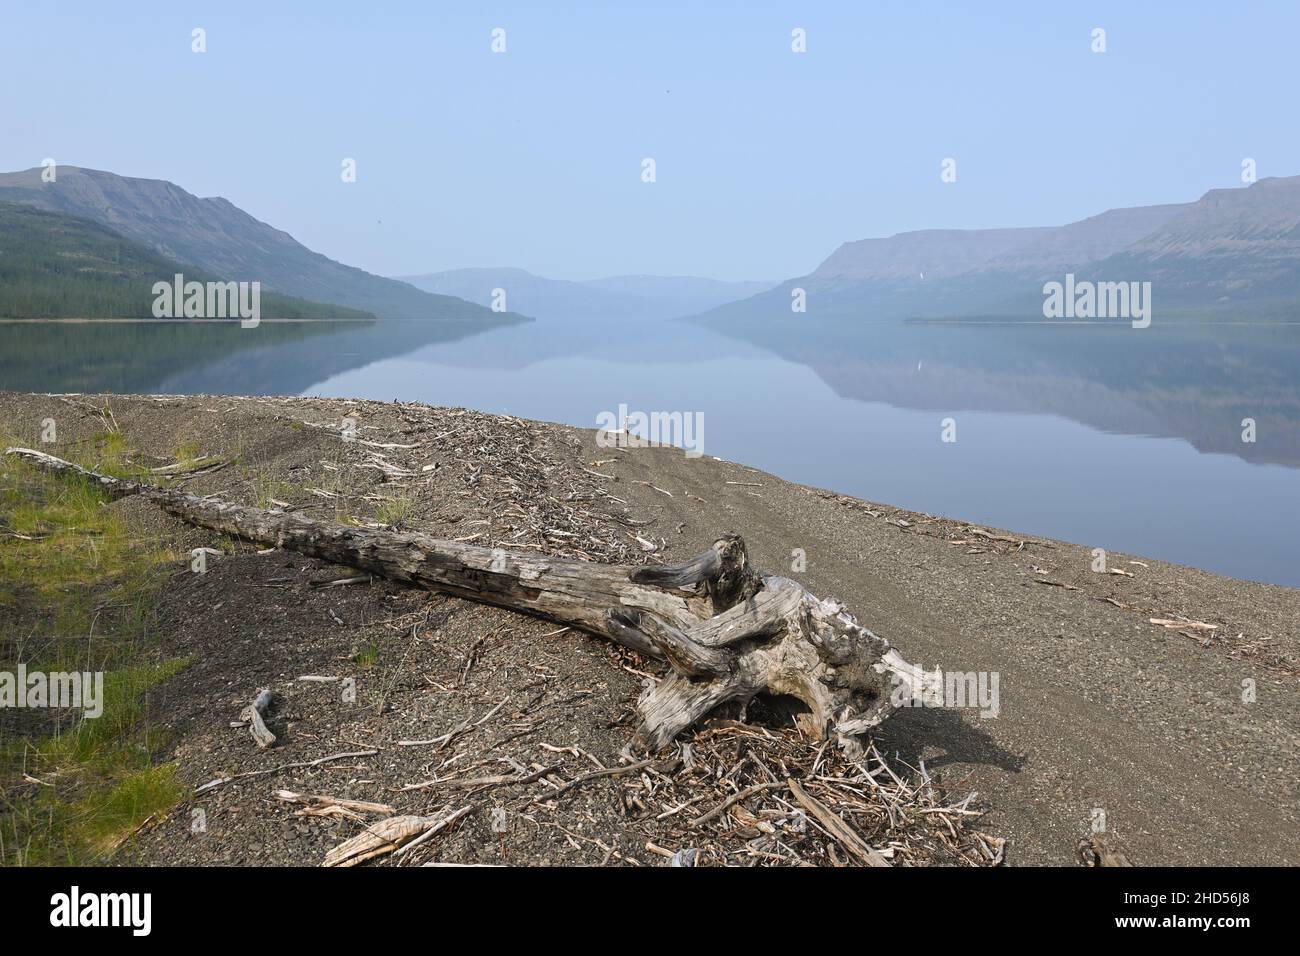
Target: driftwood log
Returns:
[728, 632]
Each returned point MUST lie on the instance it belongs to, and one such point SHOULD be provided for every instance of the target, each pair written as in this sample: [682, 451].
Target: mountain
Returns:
[1232, 247]
[981, 263]
[648, 298]
[1033, 251]
[1060, 249]
[216, 236]
[908, 255]
[1236, 248]
[58, 266]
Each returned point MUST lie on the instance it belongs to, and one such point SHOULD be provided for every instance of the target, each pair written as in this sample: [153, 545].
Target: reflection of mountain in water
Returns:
[136, 356]
[1195, 383]
[195, 357]
[290, 368]
[525, 345]
[1192, 382]
[293, 367]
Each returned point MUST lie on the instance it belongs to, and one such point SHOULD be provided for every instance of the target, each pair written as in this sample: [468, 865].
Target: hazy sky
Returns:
[766, 159]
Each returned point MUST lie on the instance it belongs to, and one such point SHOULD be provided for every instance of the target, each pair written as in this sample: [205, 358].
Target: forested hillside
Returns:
[58, 266]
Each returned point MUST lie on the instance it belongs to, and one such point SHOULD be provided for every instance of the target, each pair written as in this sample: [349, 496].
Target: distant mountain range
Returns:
[618, 298]
[1232, 250]
[223, 241]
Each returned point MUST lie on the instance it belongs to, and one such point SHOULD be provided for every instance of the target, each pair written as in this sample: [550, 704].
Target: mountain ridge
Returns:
[215, 235]
[1234, 247]
[53, 265]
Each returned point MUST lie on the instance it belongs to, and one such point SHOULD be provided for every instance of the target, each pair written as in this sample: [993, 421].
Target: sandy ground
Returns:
[1099, 709]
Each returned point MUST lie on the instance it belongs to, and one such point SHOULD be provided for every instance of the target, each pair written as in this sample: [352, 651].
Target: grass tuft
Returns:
[77, 591]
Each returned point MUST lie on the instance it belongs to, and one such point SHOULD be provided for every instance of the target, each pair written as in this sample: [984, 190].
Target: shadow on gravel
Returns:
[914, 734]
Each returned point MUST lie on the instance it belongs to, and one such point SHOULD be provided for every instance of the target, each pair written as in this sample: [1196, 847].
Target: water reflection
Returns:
[1124, 439]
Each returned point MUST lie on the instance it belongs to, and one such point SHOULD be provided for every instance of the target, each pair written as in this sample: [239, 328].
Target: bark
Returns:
[728, 632]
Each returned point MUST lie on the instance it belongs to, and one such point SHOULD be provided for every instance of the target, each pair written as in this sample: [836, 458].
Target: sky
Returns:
[765, 159]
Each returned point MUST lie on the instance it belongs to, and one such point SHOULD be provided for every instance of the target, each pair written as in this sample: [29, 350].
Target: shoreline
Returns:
[1099, 707]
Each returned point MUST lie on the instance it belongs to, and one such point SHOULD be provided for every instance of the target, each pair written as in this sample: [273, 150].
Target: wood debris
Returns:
[1055, 584]
[846, 672]
[254, 714]
[1178, 623]
[1098, 850]
[320, 805]
[385, 837]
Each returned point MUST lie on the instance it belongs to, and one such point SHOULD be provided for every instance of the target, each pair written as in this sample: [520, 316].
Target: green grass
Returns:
[77, 588]
[102, 823]
[267, 491]
[186, 454]
[368, 656]
[394, 510]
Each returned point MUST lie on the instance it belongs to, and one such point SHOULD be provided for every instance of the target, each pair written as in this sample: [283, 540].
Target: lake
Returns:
[1128, 440]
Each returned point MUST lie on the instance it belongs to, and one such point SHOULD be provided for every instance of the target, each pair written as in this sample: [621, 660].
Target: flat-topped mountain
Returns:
[936, 253]
[1232, 249]
[1232, 246]
[1088, 240]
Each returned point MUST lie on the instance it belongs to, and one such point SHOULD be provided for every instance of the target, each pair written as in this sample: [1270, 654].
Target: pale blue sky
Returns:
[767, 159]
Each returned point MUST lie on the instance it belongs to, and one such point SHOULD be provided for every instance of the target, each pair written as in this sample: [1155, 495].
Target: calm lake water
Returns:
[1128, 440]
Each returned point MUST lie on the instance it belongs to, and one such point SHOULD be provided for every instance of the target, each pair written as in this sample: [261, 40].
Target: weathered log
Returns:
[728, 633]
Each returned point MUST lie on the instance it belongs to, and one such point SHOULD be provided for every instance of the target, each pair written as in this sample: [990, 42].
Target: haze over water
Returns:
[1128, 442]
